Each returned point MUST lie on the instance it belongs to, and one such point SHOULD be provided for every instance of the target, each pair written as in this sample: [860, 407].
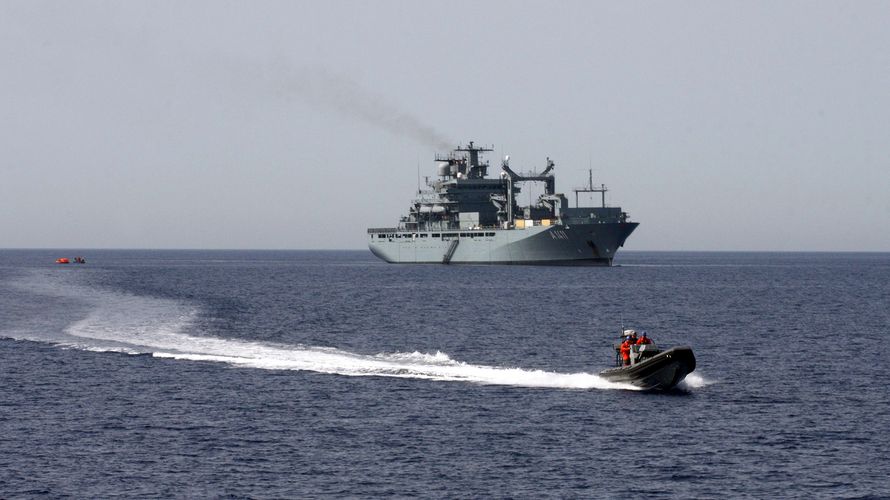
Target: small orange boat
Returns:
[63, 260]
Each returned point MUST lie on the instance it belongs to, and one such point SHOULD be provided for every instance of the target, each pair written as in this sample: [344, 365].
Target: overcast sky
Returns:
[716, 125]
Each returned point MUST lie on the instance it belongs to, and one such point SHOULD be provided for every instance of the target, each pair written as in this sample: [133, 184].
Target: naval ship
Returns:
[467, 218]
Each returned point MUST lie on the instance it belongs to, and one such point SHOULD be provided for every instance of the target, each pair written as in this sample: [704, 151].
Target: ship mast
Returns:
[476, 170]
[590, 189]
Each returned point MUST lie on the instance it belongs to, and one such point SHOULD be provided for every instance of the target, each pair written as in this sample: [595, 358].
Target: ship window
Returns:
[423, 235]
[436, 235]
[449, 235]
[489, 234]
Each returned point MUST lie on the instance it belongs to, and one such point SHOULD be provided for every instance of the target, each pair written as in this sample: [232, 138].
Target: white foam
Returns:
[121, 322]
[438, 366]
[694, 381]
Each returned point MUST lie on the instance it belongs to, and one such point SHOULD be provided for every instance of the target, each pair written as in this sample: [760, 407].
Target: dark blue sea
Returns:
[331, 374]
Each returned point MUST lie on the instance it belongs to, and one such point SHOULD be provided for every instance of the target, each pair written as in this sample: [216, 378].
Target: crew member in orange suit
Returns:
[644, 339]
[625, 351]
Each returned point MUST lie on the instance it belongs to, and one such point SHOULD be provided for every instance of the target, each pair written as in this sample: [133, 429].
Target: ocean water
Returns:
[312, 374]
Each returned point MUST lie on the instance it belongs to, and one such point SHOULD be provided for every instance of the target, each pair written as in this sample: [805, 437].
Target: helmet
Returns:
[644, 333]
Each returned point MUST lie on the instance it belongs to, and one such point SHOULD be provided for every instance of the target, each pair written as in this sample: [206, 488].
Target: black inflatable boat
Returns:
[652, 368]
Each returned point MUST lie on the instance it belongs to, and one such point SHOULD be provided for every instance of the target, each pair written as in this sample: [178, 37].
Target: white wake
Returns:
[122, 322]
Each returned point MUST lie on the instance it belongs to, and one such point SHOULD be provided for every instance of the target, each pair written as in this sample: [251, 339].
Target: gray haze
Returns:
[717, 125]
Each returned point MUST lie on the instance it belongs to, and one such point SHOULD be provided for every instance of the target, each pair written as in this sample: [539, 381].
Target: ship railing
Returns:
[378, 230]
[591, 220]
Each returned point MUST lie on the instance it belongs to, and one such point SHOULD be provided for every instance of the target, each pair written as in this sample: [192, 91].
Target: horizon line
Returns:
[189, 249]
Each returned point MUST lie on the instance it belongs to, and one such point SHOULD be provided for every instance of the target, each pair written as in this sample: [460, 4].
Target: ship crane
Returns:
[546, 177]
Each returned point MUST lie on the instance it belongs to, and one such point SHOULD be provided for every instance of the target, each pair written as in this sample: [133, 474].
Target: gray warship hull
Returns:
[576, 244]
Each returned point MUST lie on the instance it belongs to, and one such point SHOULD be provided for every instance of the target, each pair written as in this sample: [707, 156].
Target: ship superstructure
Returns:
[466, 217]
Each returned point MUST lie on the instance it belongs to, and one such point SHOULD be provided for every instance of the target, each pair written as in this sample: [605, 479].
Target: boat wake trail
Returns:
[417, 365]
[121, 322]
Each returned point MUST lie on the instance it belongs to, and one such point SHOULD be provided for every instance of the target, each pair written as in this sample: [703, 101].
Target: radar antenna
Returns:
[473, 152]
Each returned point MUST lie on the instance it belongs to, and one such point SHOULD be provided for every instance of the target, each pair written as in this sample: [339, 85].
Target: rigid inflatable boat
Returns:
[653, 369]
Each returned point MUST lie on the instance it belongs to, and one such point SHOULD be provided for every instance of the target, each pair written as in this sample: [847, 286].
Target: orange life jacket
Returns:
[644, 340]
[625, 350]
